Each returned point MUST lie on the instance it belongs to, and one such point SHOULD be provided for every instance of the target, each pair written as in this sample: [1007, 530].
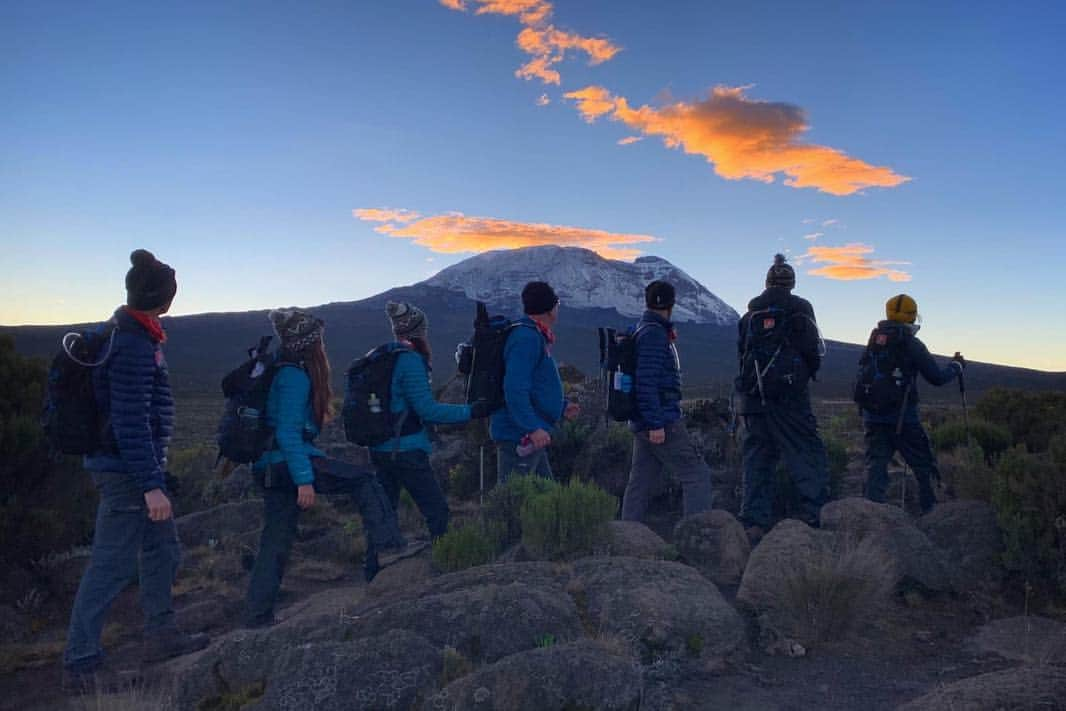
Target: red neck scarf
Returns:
[549, 335]
[152, 324]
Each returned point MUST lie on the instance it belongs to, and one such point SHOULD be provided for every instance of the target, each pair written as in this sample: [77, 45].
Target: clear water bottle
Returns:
[627, 383]
[374, 403]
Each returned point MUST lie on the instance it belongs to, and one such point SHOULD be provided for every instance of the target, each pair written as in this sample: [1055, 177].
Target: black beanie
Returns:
[659, 295]
[150, 283]
[781, 274]
[538, 298]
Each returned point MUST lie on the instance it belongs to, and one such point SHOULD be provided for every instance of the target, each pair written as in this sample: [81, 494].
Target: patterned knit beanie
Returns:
[298, 330]
[408, 321]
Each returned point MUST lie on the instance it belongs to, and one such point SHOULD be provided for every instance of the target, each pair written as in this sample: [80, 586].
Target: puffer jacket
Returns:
[658, 374]
[289, 414]
[132, 390]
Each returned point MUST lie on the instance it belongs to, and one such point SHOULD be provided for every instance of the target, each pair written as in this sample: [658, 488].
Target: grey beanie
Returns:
[408, 321]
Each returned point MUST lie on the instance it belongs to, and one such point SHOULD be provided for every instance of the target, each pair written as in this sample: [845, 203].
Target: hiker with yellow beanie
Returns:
[886, 391]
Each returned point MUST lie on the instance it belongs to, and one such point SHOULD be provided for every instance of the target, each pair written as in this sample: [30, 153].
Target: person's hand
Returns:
[480, 409]
[158, 505]
[540, 438]
[572, 410]
[305, 496]
[657, 436]
[957, 358]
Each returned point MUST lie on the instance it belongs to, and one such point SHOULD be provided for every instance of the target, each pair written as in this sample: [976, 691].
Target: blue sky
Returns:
[235, 140]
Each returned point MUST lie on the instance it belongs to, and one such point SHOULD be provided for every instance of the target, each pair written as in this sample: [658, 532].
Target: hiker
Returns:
[660, 438]
[134, 520]
[294, 470]
[887, 393]
[779, 349]
[403, 461]
[532, 389]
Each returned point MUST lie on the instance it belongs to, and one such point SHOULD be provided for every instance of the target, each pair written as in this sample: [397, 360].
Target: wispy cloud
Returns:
[830, 223]
[851, 262]
[455, 233]
[742, 138]
[543, 100]
[628, 140]
[814, 235]
[546, 44]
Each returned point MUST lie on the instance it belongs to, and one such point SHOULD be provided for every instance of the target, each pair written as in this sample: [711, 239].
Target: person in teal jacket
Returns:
[403, 462]
[294, 470]
[532, 389]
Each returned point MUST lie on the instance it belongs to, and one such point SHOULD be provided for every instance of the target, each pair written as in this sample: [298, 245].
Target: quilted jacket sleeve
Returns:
[290, 392]
[413, 381]
[652, 351]
[132, 380]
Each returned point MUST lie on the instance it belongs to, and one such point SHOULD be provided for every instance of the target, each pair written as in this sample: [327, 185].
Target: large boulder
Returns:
[220, 522]
[918, 561]
[968, 533]
[581, 675]
[662, 610]
[1037, 640]
[714, 542]
[1027, 687]
[635, 540]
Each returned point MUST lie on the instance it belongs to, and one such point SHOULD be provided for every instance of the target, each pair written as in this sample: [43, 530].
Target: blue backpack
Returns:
[71, 419]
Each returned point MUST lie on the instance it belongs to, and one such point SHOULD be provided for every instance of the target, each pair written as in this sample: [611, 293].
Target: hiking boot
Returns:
[754, 534]
[394, 554]
[97, 679]
[171, 642]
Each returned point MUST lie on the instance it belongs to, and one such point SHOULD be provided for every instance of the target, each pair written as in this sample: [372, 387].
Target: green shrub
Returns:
[568, 442]
[567, 521]
[503, 505]
[836, 450]
[966, 471]
[463, 481]
[1029, 496]
[991, 438]
[460, 548]
[606, 457]
[1033, 418]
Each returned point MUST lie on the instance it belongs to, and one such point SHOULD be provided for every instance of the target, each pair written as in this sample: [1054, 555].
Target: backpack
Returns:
[882, 383]
[481, 360]
[71, 419]
[367, 411]
[618, 364]
[770, 366]
[243, 433]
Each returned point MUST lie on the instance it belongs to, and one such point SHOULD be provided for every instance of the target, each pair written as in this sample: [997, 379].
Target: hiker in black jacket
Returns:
[779, 349]
[659, 435]
[892, 423]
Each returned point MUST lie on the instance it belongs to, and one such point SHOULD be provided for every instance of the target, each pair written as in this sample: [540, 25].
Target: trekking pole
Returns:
[962, 394]
[481, 470]
[903, 489]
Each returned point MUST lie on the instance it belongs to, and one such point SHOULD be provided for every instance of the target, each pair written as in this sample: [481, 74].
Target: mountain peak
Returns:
[583, 279]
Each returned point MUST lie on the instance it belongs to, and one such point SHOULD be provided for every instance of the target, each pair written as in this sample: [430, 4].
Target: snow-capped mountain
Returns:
[582, 279]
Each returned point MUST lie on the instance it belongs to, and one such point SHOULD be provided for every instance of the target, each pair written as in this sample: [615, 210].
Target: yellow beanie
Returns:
[902, 308]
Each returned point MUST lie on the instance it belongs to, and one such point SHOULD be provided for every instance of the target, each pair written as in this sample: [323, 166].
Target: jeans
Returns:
[126, 543]
[508, 463]
[677, 453]
[281, 515]
[913, 444]
[411, 470]
[787, 430]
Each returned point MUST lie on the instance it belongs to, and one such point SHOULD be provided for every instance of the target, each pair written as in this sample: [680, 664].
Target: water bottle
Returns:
[627, 383]
[374, 403]
[525, 447]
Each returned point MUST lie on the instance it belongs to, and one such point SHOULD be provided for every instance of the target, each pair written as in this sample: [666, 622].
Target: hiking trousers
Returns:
[785, 430]
[126, 545]
[411, 470]
[678, 454]
[913, 445]
[509, 464]
[281, 515]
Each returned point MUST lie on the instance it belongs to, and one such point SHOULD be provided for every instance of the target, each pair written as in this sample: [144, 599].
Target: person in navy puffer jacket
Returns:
[532, 389]
[660, 438]
[403, 461]
[134, 521]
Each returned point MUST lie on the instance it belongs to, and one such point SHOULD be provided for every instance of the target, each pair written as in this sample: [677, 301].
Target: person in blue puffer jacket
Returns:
[294, 470]
[403, 461]
[659, 435]
[532, 389]
[134, 521]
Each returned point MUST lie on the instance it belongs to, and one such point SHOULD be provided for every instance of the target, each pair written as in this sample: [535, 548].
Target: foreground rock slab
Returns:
[1037, 640]
[714, 542]
[1028, 687]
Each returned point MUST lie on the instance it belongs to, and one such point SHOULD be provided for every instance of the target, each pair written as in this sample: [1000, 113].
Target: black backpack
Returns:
[882, 383]
[71, 418]
[618, 365]
[770, 366]
[481, 360]
[367, 411]
[243, 433]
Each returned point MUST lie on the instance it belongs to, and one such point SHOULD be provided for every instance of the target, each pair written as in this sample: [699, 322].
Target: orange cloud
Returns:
[455, 233]
[387, 214]
[544, 42]
[849, 263]
[742, 138]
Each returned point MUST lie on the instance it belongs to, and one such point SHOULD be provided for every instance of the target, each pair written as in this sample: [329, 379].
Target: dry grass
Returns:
[136, 698]
[822, 596]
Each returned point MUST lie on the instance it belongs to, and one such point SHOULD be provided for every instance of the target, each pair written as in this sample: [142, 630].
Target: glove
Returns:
[957, 358]
[480, 409]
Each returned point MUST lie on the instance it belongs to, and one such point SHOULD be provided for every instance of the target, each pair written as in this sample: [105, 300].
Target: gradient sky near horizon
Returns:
[302, 153]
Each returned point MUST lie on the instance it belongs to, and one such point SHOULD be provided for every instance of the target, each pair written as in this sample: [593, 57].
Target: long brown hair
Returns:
[422, 346]
[321, 393]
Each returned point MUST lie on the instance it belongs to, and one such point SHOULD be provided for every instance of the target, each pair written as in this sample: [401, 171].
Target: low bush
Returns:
[567, 521]
[569, 441]
[967, 473]
[606, 457]
[952, 434]
[1033, 418]
[836, 451]
[476, 543]
[503, 505]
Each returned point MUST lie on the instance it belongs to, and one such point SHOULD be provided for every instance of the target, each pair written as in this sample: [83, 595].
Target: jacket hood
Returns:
[773, 296]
